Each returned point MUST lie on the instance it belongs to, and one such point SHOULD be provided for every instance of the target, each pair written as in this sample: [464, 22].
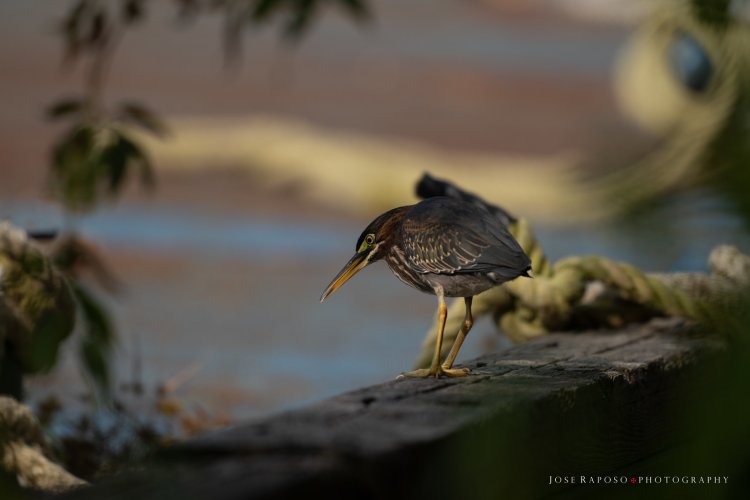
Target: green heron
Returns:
[446, 246]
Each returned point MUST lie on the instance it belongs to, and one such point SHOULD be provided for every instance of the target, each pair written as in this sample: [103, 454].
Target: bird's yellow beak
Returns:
[351, 268]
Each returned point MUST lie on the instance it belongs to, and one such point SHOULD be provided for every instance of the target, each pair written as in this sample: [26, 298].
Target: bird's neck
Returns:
[389, 232]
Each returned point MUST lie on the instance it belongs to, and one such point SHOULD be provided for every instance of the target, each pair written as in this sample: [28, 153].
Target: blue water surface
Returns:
[238, 295]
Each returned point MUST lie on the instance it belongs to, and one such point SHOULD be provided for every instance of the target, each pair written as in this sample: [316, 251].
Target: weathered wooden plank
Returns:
[566, 404]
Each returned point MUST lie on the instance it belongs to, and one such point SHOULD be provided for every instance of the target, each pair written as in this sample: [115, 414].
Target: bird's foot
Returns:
[454, 372]
[419, 373]
[439, 372]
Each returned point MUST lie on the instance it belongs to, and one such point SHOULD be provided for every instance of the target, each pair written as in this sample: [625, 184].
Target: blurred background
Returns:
[278, 155]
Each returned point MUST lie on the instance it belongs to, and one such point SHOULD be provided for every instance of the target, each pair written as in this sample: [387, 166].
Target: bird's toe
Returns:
[454, 372]
[440, 372]
[419, 373]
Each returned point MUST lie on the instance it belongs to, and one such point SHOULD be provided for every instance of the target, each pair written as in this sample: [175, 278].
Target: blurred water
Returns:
[677, 238]
[236, 297]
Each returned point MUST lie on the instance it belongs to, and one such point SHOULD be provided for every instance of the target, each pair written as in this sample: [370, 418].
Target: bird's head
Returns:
[372, 245]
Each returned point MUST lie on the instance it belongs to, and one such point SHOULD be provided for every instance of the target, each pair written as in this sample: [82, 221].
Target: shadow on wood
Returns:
[566, 404]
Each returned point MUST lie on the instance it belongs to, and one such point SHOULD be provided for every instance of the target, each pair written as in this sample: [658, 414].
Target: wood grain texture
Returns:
[587, 403]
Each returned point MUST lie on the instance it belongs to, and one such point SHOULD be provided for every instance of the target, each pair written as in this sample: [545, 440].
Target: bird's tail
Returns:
[429, 187]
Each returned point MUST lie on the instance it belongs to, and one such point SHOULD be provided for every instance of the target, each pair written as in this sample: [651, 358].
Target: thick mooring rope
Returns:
[592, 292]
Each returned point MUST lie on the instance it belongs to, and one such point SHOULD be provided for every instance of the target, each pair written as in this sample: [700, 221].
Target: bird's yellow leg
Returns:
[435, 369]
[442, 315]
[462, 333]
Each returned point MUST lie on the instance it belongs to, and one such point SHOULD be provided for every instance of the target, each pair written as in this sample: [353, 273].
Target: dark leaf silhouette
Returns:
[114, 162]
[73, 256]
[132, 11]
[90, 162]
[86, 27]
[72, 28]
[357, 8]
[74, 171]
[144, 118]
[98, 29]
[65, 107]
[95, 156]
[296, 16]
[137, 157]
[98, 337]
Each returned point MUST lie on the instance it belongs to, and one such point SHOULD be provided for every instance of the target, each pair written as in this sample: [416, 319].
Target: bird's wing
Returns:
[459, 241]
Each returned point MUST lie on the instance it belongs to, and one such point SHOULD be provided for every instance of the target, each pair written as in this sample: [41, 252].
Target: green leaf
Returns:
[74, 169]
[144, 118]
[85, 168]
[114, 162]
[65, 107]
[98, 339]
[95, 362]
[71, 28]
[296, 15]
[136, 155]
[74, 146]
[122, 155]
[44, 344]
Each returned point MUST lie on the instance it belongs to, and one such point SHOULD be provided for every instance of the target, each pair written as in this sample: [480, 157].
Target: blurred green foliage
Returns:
[36, 310]
[95, 156]
[91, 161]
[98, 153]
[97, 343]
[294, 16]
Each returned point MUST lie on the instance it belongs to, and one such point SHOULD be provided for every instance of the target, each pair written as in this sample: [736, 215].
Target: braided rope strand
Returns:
[528, 308]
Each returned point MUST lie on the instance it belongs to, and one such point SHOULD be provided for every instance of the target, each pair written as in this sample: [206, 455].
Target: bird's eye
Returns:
[366, 243]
